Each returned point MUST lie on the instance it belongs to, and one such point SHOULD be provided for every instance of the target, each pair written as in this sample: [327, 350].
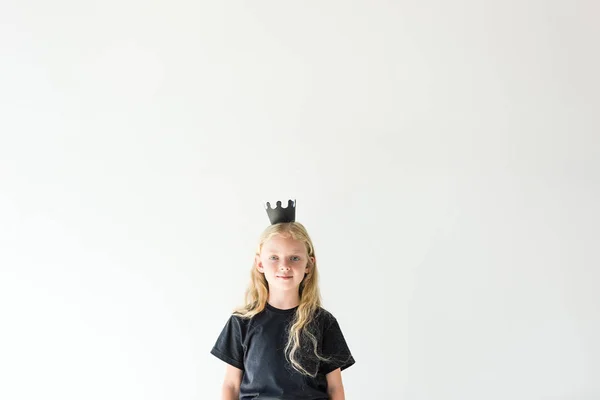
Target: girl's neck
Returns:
[284, 300]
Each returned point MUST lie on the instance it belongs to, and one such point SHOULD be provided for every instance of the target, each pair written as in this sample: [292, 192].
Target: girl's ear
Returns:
[312, 262]
[258, 264]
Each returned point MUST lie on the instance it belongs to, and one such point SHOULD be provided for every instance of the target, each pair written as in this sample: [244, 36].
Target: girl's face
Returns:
[283, 261]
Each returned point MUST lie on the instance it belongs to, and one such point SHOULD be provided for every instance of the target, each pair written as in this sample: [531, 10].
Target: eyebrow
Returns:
[272, 250]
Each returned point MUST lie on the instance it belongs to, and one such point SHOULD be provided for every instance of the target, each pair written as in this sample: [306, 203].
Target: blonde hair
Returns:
[257, 295]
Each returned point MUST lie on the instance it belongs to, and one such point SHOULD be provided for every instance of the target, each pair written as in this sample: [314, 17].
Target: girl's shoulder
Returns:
[240, 321]
[324, 313]
[324, 318]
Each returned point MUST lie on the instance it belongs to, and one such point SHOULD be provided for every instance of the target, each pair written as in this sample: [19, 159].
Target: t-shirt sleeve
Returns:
[335, 349]
[229, 346]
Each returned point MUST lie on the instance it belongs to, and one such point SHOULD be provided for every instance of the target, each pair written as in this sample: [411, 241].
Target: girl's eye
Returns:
[293, 258]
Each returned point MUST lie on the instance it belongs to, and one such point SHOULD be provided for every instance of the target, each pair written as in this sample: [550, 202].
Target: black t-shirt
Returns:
[257, 345]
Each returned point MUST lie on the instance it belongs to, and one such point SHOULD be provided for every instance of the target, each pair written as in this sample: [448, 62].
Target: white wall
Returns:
[444, 156]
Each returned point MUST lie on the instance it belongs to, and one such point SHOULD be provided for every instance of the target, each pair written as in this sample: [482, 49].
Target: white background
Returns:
[444, 155]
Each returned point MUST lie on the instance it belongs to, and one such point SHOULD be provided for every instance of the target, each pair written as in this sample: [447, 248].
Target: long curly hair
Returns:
[302, 339]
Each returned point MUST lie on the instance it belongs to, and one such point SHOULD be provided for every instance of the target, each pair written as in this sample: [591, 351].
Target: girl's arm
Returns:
[231, 383]
[335, 388]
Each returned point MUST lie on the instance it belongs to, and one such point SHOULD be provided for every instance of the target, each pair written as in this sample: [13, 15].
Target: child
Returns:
[282, 345]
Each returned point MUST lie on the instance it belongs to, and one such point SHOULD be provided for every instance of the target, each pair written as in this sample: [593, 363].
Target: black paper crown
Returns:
[279, 214]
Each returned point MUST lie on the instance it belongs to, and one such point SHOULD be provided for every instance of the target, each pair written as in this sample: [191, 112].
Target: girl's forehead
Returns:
[287, 243]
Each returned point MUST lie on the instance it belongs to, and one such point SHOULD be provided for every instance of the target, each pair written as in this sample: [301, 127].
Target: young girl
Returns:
[282, 345]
